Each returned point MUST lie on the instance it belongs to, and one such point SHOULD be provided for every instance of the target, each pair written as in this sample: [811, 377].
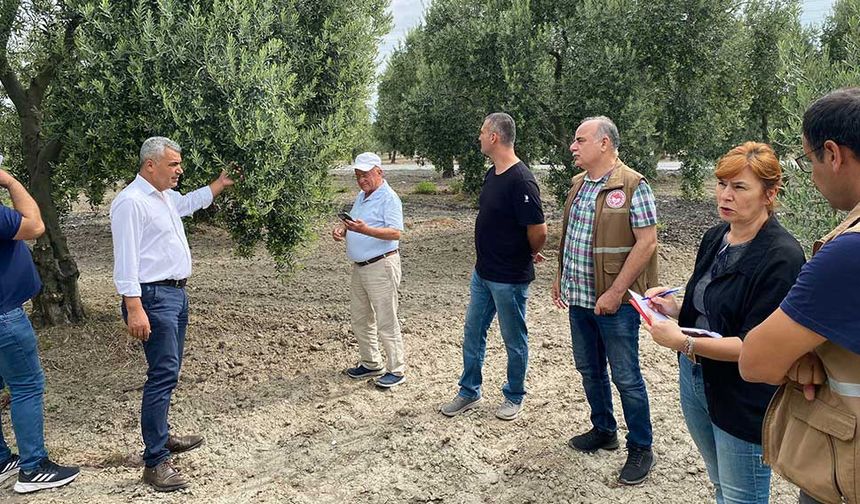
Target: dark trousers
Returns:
[167, 309]
[613, 339]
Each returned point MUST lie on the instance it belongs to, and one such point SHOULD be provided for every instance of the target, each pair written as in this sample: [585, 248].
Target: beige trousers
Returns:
[373, 307]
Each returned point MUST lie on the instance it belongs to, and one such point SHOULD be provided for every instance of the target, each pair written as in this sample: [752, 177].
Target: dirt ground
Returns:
[263, 382]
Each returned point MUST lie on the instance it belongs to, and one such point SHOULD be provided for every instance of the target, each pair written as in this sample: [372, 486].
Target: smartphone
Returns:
[345, 217]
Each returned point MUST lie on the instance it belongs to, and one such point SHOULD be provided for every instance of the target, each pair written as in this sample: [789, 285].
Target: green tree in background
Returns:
[689, 78]
[392, 128]
[36, 48]
[278, 88]
[813, 64]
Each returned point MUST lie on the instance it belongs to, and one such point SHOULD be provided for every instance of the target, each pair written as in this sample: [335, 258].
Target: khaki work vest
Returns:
[612, 237]
[814, 444]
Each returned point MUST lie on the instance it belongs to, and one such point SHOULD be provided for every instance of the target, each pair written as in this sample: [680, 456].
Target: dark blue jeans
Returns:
[167, 309]
[598, 339]
[509, 302]
[21, 371]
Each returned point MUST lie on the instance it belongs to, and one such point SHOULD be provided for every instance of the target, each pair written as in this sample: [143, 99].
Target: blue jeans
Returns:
[509, 301]
[21, 371]
[734, 466]
[598, 339]
[167, 309]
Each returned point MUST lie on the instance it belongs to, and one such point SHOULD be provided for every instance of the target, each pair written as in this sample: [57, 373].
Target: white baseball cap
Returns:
[366, 161]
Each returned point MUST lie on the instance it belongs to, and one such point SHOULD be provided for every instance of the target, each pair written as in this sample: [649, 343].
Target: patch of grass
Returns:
[456, 186]
[425, 187]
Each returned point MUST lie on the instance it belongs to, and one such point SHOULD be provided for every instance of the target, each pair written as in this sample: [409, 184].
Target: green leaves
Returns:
[689, 78]
[812, 63]
[275, 87]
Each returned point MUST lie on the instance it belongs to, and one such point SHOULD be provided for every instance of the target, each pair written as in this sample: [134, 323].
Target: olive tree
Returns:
[275, 88]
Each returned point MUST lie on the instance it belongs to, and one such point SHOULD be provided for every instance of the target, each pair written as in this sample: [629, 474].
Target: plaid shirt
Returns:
[577, 281]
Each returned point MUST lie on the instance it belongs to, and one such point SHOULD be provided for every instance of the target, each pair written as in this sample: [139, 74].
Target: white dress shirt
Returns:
[149, 243]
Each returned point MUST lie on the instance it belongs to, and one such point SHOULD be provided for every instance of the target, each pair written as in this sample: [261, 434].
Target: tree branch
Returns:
[11, 84]
[48, 70]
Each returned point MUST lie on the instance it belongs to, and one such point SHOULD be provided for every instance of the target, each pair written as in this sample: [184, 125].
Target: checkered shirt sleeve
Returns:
[643, 209]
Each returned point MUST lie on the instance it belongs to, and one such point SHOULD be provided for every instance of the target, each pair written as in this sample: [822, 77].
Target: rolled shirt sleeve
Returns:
[125, 224]
[189, 203]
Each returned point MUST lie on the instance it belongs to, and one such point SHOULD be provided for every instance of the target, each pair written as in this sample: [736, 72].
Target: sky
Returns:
[409, 13]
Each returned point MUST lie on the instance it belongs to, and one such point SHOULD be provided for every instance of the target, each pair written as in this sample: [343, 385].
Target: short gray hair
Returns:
[153, 148]
[503, 125]
[605, 127]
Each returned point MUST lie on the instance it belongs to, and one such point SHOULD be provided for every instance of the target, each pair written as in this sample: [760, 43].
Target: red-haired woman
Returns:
[744, 268]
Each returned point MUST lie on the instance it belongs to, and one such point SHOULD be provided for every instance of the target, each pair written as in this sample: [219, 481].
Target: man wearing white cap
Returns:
[372, 230]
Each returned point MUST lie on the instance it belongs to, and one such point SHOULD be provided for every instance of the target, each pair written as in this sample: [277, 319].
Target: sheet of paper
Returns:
[642, 307]
[692, 331]
[652, 316]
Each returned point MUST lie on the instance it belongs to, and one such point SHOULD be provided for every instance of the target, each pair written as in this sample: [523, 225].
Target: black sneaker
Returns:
[594, 440]
[9, 468]
[638, 465]
[359, 372]
[48, 475]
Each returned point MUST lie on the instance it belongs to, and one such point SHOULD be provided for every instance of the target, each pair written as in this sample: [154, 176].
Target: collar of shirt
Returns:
[382, 189]
[600, 180]
[143, 185]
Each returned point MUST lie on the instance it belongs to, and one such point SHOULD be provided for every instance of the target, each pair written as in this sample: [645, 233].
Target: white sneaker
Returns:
[509, 410]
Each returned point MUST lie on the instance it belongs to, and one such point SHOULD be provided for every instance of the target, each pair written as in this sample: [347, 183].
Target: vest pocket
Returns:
[612, 267]
[811, 443]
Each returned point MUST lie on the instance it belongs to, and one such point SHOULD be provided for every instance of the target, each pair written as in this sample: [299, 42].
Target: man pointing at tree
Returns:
[152, 263]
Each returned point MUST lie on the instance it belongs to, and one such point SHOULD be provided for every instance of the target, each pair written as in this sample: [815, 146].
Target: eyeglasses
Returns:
[804, 162]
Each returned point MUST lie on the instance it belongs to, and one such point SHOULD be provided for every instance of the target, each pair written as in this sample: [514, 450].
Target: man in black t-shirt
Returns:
[509, 235]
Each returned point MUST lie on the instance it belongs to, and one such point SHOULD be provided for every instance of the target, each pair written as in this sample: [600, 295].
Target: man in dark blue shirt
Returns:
[817, 327]
[20, 369]
[509, 235]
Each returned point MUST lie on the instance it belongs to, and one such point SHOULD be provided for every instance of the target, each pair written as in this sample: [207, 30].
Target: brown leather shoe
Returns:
[179, 444]
[164, 478]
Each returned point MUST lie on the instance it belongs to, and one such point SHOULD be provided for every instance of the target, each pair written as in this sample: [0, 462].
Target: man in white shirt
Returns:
[372, 234]
[152, 262]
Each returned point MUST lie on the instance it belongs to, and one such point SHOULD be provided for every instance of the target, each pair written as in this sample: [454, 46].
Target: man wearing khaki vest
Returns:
[813, 338]
[608, 245]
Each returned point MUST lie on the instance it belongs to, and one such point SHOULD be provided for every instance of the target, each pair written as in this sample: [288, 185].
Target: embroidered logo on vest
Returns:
[616, 199]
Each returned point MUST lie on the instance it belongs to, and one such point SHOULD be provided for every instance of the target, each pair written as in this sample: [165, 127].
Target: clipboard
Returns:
[650, 316]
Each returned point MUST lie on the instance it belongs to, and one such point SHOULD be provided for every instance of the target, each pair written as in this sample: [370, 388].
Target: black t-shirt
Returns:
[509, 202]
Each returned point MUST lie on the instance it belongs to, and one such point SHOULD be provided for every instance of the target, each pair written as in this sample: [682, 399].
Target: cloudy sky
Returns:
[408, 14]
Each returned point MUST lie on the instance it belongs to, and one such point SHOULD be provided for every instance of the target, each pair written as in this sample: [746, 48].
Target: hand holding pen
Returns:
[663, 294]
[663, 300]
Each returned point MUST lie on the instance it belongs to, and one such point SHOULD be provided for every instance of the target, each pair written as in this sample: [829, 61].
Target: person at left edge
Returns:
[152, 263]
[20, 368]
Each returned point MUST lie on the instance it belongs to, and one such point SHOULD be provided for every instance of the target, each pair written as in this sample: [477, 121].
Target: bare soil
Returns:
[262, 380]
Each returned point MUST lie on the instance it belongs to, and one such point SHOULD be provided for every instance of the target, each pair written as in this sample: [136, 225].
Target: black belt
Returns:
[179, 284]
[377, 258]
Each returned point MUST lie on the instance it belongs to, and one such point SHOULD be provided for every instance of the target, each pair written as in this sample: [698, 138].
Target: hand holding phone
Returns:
[345, 217]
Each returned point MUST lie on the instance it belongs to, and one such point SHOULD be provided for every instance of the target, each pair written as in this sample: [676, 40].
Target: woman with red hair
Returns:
[744, 268]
